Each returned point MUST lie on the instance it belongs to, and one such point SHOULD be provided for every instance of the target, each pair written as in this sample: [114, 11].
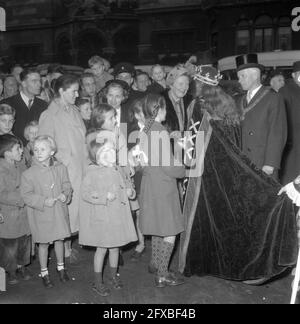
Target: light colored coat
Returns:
[39, 183]
[105, 223]
[68, 130]
[12, 205]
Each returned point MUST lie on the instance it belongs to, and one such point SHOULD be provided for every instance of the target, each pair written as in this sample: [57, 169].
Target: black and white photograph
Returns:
[149, 154]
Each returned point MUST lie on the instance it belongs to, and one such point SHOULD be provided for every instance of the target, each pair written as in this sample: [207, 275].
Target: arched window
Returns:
[263, 34]
[242, 37]
[284, 36]
[2, 20]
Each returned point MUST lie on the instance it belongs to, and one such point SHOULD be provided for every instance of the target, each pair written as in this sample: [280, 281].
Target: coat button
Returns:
[248, 150]
[251, 133]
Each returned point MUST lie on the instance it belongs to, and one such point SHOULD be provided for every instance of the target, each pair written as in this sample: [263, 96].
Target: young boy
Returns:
[15, 242]
[7, 119]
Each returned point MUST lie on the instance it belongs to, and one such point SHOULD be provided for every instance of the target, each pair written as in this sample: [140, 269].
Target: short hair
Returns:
[33, 123]
[82, 101]
[85, 75]
[93, 148]
[155, 66]
[140, 72]
[98, 115]
[7, 142]
[6, 109]
[48, 139]
[64, 82]
[114, 84]
[24, 74]
[95, 60]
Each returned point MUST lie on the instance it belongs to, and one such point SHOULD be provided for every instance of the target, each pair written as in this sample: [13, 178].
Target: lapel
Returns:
[258, 93]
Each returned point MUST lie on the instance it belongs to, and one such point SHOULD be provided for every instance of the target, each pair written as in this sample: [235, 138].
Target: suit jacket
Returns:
[23, 114]
[264, 129]
[172, 122]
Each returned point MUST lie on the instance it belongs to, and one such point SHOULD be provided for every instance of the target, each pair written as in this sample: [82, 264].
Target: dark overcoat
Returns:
[291, 155]
[264, 129]
[23, 114]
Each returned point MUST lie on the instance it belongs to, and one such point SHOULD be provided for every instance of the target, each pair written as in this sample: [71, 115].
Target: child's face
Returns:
[16, 153]
[110, 121]
[106, 155]
[42, 151]
[6, 124]
[158, 74]
[115, 97]
[32, 133]
[86, 111]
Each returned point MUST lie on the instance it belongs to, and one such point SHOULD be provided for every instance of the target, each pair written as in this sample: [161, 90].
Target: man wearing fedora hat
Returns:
[264, 125]
[291, 156]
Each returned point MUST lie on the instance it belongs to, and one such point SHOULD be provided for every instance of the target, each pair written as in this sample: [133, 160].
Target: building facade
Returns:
[143, 31]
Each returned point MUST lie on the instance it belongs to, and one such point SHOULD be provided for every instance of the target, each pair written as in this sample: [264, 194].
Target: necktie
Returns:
[248, 96]
[30, 102]
[180, 115]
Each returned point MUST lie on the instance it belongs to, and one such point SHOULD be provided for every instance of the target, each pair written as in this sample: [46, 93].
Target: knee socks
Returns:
[164, 258]
[155, 253]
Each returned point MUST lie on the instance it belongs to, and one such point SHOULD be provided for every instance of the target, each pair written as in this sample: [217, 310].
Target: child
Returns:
[85, 109]
[14, 229]
[7, 119]
[30, 134]
[46, 190]
[160, 214]
[105, 217]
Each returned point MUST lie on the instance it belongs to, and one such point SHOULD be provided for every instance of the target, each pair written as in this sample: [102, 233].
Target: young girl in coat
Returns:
[105, 216]
[46, 190]
[160, 214]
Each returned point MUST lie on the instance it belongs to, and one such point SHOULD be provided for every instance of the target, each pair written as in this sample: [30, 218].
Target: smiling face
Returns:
[158, 74]
[6, 124]
[42, 151]
[180, 87]
[115, 96]
[69, 95]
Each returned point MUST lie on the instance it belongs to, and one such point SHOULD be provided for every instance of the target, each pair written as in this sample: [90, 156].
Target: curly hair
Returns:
[219, 104]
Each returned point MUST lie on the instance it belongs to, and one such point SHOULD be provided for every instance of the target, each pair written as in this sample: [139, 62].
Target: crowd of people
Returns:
[77, 159]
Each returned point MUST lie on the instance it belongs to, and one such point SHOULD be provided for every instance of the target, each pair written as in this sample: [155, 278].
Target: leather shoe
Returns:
[12, 278]
[168, 280]
[47, 282]
[24, 273]
[63, 275]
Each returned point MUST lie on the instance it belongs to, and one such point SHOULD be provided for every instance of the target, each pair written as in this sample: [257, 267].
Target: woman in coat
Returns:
[62, 121]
